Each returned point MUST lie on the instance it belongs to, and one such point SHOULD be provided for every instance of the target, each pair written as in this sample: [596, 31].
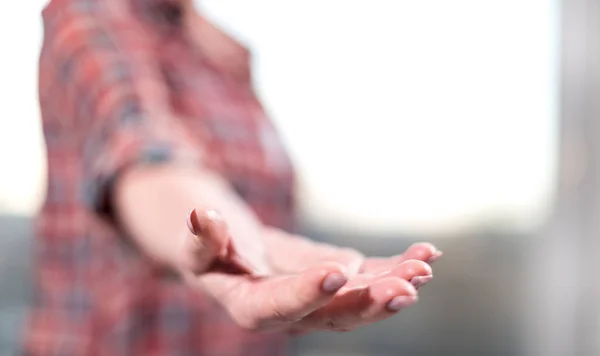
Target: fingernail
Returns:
[419, 281]
[189, 222]
[436, 256]
[334, 282]
[402, 302]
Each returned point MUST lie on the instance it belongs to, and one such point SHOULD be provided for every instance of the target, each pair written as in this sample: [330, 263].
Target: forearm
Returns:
[151, 205]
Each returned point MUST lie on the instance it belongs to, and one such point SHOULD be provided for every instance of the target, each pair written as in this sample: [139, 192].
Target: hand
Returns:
[368, 279]
[313, 287]
[289, 254]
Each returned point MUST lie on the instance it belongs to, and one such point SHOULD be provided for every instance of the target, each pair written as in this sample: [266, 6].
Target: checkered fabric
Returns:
[120, 85]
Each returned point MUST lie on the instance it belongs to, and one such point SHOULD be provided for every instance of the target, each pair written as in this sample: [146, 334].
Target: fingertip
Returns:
[436, 256]
[419, 281]
[331, 276]
[408, 288]
[416, 268]
[333, 282]
[403, 295]
[393, 293]
[213, 215]
[199, 220]
[206, 240]
[423, 251]
[401, 302]
[424, 247]
[209, 224]
[395, 286]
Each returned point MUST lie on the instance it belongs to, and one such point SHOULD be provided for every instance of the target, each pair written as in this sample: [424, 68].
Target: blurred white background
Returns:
[422, 117]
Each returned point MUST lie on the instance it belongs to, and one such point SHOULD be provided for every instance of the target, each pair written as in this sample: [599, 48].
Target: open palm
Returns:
[315, 286]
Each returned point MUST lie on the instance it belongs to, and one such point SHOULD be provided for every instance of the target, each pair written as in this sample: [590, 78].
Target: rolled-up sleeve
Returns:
[102, 90]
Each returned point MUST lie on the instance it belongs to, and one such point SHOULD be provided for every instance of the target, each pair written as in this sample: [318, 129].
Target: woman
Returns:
[148, 112]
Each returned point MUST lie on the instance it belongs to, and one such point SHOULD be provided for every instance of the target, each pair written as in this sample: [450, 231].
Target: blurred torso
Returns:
[100, 295]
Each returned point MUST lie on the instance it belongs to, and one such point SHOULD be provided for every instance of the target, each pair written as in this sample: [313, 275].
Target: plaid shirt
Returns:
[120, 85]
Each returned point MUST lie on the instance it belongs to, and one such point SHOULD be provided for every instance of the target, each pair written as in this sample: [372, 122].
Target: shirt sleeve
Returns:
[101, 86]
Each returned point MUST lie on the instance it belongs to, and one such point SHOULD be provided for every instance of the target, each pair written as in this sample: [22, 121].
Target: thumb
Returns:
[206, 240]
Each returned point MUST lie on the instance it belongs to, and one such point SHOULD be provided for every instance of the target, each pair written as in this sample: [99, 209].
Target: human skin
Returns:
[265, 278]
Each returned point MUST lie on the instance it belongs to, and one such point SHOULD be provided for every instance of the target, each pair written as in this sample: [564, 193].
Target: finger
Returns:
[390, 295]
[425, 252]
[356, 307]
[361, 280]
[206, 240]
[417, 272]
[273, 302]
[293, 297]
[414, 271]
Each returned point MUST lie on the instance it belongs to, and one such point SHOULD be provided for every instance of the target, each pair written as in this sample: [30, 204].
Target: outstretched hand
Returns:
[308, 286]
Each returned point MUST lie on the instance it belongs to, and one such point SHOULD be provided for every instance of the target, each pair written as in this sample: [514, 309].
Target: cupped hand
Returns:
[290, 254]
[312, 286]
[377, 287]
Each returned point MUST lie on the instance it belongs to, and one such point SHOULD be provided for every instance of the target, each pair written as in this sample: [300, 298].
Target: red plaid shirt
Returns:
[120, 85]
